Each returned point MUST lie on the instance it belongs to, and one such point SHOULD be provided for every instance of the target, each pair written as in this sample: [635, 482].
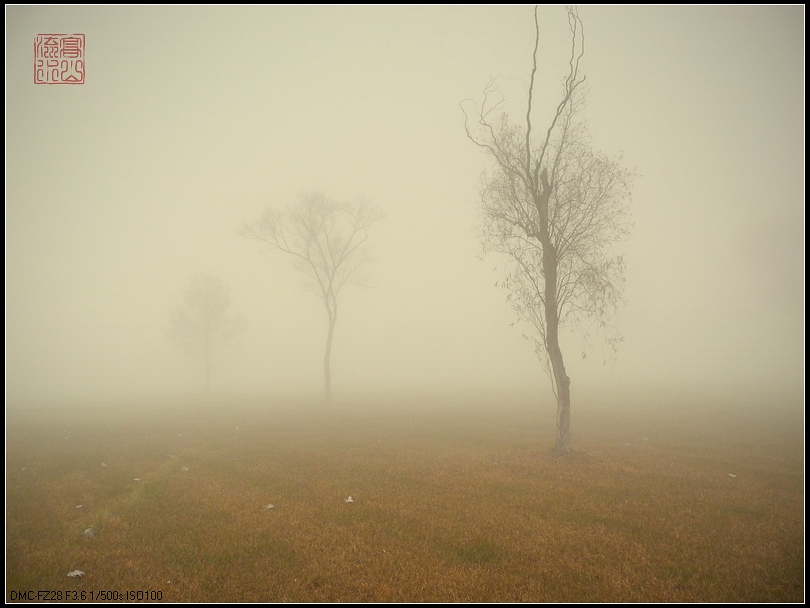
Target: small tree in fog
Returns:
[553, 206]
[202, 325]
[324, 241]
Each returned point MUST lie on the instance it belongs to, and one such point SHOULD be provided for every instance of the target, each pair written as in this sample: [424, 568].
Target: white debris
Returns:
[348, 500]
[89, 533]
[79, 506]
[136, 479]
[184, 469]
[104, 464]
[269, 506]
[75, 574]
[732, 475]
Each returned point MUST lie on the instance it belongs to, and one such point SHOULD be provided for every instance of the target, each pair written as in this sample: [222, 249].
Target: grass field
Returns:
[686, 499]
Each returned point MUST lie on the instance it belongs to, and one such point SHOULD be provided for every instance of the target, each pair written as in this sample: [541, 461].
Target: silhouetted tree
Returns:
[554, 206]
[202, 325]
[323, 239]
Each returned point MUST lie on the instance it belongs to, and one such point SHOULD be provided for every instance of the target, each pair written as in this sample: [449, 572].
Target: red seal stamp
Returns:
[59, 59]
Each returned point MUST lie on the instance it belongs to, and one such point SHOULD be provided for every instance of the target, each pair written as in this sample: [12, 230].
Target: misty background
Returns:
[193, 120]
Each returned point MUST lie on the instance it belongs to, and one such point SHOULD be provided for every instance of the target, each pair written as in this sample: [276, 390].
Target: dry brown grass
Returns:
[455, 501]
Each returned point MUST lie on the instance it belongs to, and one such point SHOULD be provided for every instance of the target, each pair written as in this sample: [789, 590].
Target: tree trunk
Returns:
[561, 379]
[563, 445]
[327, 371]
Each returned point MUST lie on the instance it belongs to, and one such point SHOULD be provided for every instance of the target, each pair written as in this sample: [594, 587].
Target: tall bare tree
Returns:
[324, 241]
[554, 207]
[202, 325]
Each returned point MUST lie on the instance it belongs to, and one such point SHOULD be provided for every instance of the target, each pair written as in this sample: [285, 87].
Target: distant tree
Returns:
[554, 206]
[202, 326]
[323, 239]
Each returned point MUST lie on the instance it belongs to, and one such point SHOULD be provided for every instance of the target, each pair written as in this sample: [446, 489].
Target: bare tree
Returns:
[202, 325]
[554, 207]
[324, 240]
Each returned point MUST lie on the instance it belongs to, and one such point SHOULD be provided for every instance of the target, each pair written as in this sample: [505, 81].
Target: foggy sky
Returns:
[193, 120]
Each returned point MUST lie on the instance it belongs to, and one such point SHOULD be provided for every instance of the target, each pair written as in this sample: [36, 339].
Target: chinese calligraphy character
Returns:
[59, 59]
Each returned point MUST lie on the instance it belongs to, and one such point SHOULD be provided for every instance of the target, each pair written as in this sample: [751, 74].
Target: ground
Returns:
[665, 498]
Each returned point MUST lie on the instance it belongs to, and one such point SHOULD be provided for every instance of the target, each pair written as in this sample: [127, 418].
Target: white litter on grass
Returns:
[171, 455]
[104, 464]
[348, 500]
[89, 533]
[269, 506]
[75, 574]
[184, 469]
[79, 506]
[732, 475]
[136, 479]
